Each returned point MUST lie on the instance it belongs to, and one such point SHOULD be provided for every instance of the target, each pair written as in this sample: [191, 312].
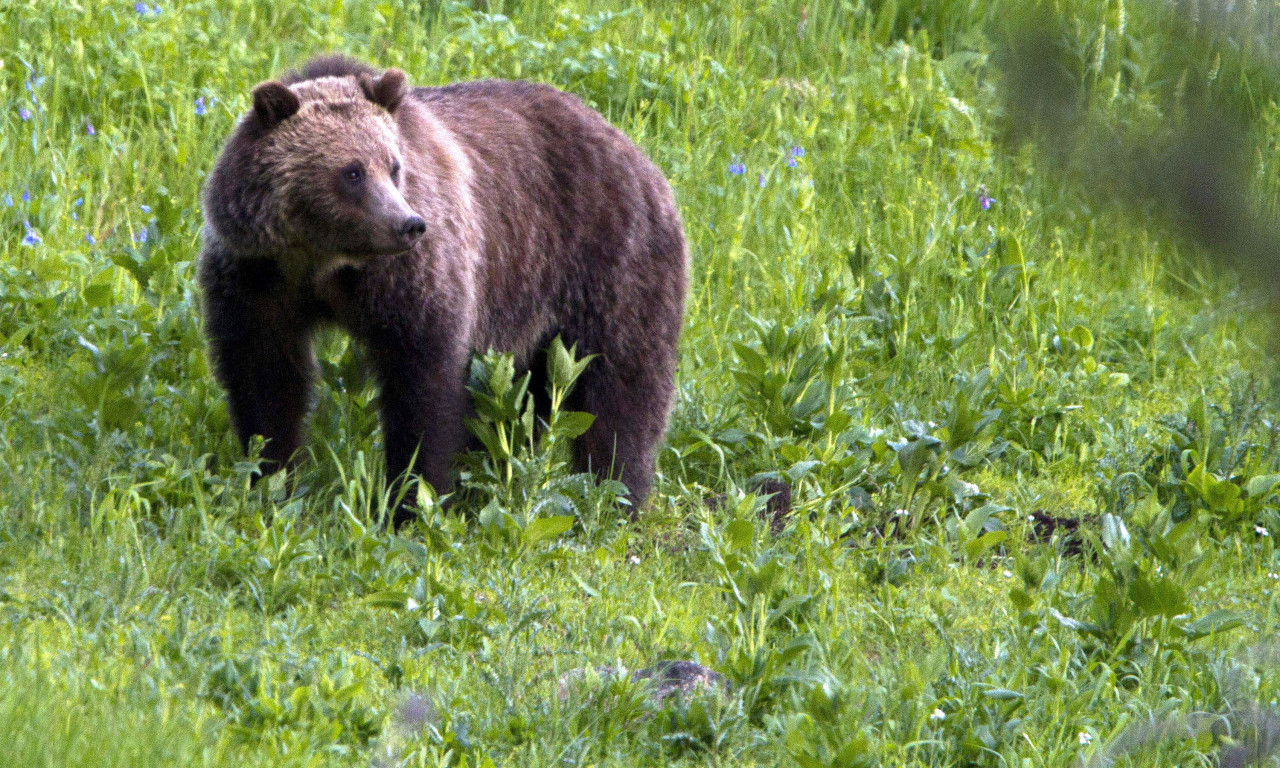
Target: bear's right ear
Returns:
[273, 103]
[388, 90]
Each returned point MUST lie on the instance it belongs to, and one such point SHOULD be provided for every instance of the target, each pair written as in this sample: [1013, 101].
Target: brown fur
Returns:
[541, 219]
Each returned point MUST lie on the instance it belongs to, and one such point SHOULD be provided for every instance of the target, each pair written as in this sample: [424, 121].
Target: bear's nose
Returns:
[412, 228]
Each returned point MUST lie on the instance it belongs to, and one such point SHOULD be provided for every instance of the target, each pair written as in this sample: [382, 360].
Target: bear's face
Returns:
[331, 167]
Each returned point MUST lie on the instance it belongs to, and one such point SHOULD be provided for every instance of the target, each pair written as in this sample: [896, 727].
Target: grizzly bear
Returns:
[432, 223]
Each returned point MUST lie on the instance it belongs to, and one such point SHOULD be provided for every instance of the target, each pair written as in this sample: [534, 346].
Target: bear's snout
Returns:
[411, 229]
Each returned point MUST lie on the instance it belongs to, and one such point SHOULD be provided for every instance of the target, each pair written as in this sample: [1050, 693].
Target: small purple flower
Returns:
[24, 113]
[26, 196]
[985, 200]
[90, 239]
[89, 129]
[797, 151]
[145, 208]
[141, 237]
[140, 8]
[31, 237]
[791, 162]
[74, 217]
[79, 202]
[737, 169]
[200, 108]
[760, 179]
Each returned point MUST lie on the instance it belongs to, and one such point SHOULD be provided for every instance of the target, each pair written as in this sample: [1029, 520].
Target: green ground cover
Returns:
[942, 345]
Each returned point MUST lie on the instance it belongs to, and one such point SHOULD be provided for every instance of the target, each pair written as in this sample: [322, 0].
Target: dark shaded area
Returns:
[1190, 168]
[1044, 526]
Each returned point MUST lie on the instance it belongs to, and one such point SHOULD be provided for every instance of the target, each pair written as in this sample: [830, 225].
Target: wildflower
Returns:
[89, 129]
[200, 108]
[760, 178]
[8, 199]
[1085, 738]
[145, 208]
[31, 237]
[797, 151]
[737, 169]
[1261, 531]
[791, 162]
[34, 83]
[26, 196]
[634, 560]
[140, 8]
[985, 200]
[1008, 574]
[79, 202]
[937, 715]
[90, 239]
[24, 113]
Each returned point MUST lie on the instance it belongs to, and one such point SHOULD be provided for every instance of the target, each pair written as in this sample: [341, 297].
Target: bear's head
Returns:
[317, 169]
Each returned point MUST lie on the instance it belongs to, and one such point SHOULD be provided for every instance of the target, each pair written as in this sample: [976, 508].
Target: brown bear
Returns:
[432, 223]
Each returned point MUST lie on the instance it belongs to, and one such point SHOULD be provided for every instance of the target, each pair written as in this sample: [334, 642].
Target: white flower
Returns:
[411, 604]
[938, 714]
[1258, 529]
[1085, 738]
[901, 512]
[1008, 574]
[1273, 575]
[633, 560]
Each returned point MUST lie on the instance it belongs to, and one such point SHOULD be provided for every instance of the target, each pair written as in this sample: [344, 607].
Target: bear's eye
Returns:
[353, 173]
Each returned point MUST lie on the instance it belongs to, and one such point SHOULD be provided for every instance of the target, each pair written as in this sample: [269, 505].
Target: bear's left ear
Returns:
[387, 90]
[274, 103]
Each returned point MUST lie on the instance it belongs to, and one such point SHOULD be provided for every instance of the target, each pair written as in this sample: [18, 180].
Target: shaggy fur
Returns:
[540, 219]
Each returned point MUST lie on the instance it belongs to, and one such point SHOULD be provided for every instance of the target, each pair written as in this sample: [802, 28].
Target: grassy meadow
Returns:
[1028, 430]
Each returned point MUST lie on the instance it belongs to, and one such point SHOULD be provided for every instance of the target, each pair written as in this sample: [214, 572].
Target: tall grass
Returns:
[924, 331]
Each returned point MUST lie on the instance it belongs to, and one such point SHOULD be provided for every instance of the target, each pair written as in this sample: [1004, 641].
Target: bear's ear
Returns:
[387, 90]
[273, 102]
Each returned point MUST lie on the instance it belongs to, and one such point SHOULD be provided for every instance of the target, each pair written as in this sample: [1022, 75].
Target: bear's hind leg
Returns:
[631, 409]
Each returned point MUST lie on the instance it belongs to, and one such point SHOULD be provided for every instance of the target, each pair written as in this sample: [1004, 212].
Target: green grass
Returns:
[925, 374]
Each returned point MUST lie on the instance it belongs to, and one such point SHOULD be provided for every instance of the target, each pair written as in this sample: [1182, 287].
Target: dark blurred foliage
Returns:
[1157, 106]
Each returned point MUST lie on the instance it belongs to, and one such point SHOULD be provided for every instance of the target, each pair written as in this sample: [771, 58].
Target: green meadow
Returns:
[1026, 420]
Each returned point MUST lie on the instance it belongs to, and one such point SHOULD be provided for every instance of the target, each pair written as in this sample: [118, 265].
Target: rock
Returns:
[664, 679]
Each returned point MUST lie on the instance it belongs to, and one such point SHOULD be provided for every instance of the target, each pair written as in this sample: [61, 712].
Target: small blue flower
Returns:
[140, 8]
[985, 200]
[26, 196]
[8, 199]
[31, 237]
[797, 151]
[737, 169]
[760, 178]
[79, 202]
[89, 129]
[141, 237]
[200, 108]
[24, 113]
[791, 162]
[145, 208]
[74, 217]
[90, 239]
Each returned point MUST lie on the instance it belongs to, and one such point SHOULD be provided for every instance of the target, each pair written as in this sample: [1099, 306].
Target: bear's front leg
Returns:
[423, 403]
[261, 353]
